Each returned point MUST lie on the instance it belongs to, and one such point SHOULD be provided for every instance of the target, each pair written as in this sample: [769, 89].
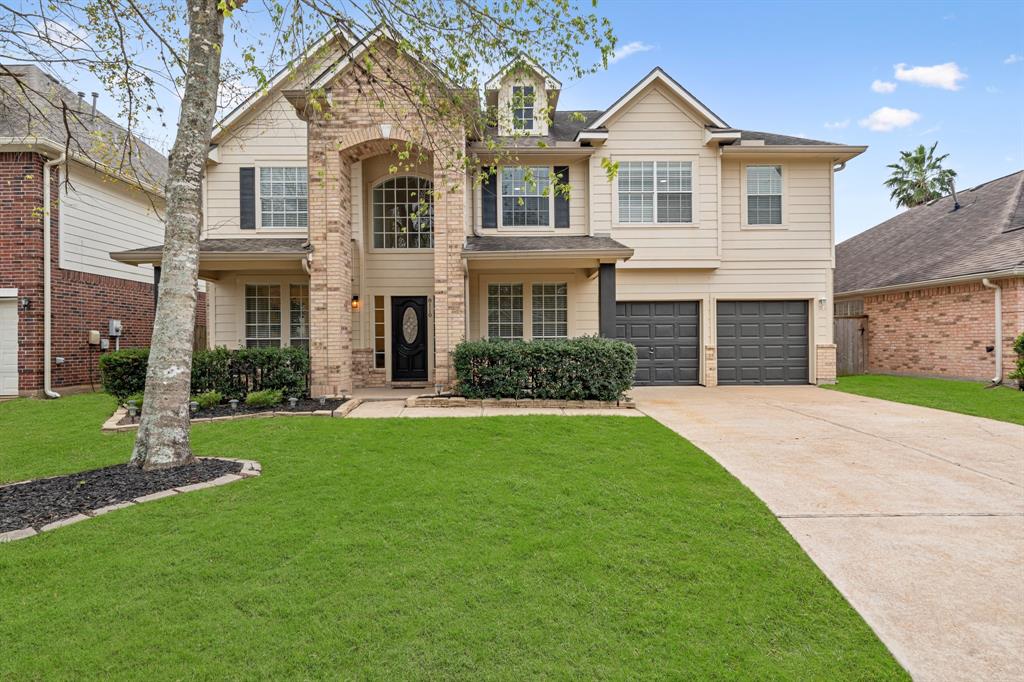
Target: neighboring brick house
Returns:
[712, 250]
[94, 208]
[923, 284]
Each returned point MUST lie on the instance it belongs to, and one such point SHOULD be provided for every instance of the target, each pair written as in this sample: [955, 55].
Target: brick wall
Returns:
[943, 331]
[81, 302]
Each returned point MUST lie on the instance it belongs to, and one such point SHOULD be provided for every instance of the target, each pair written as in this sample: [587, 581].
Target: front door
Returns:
[409, 338]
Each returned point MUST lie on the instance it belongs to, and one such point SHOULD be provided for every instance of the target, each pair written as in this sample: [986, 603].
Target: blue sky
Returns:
[807, 69]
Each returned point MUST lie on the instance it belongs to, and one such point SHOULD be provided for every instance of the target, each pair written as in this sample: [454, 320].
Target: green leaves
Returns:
[919, 177]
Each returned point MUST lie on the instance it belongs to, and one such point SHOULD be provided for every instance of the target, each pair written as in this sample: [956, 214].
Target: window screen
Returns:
[764, 195]
[262, 315]
[283, 201]
[505, 311]
[550, 310]
[525, 197]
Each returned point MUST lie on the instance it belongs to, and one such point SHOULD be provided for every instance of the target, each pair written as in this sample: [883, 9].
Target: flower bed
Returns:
[332, 407]
[33, 507]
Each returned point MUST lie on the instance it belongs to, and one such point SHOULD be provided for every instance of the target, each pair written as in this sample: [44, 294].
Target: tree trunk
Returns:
[163, 437]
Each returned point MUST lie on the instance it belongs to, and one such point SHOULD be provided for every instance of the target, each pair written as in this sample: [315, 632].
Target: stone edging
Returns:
[458, 401]
[249, 469]
[112, 425]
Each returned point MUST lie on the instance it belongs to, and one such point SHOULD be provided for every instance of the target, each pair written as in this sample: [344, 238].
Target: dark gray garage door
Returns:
[762, 342]
[666, 336]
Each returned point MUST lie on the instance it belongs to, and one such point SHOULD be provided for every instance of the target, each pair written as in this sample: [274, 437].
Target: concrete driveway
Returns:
[916, 515]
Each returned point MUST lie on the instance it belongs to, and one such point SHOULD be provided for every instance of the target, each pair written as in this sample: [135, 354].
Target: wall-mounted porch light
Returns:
[355, 303]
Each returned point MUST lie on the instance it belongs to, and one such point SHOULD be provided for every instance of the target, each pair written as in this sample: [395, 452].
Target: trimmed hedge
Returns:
[584, 368]
[233, 373]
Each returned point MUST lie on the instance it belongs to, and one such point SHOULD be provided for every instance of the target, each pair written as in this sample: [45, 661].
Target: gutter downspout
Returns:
[987, 283]
[47, 389]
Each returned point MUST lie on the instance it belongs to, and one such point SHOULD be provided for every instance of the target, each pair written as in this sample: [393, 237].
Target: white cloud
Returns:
[837, 125]
[628, 50]
[946, 76]
[1013, 59]
[887, 119]
[883, 87]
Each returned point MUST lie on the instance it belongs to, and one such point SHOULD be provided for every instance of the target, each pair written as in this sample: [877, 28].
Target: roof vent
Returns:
[751, 143]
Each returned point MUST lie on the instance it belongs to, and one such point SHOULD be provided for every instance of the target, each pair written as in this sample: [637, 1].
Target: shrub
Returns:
[265, 398]
[124, 372]
[232, 373]
[208, 399]
[584, 368]
[1018, 374]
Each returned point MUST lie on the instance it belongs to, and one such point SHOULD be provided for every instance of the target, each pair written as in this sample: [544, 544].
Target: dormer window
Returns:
[522, 107]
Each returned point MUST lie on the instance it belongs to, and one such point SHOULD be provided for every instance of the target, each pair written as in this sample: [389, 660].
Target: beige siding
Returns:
[273, 136]
[657, 127]
[99, 215]
[505, 102]
[579, 181]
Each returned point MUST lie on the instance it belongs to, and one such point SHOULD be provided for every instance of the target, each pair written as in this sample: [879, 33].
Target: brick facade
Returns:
[943, 331]
[356, 128]
[80, 301]
[825, 363]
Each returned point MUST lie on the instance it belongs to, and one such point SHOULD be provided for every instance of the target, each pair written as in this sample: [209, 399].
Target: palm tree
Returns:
[919, 177]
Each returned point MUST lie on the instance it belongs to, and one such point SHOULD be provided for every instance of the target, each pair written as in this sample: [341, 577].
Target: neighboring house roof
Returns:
[247, 247]
[32, 112]
[935, 242]
[539, 246]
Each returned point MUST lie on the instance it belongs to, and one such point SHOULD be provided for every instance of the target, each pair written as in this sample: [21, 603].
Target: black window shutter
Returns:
[489, 198]
[247, 198]
[561, 201]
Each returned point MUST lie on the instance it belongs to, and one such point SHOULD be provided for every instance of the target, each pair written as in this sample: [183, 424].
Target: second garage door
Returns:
[666, 336]
[762, 342]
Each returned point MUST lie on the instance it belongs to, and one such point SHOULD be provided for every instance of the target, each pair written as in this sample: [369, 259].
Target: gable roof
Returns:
[550, 82]
[935, 242]
[222, 126]
[32, 112]
[657, 75]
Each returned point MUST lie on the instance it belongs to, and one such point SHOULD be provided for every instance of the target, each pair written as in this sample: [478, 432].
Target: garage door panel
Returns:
[8, 346]
[666, 337]
[762, 342]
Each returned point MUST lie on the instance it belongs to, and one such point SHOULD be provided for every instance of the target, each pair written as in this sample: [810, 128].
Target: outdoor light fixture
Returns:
[234, 403]
[438, 388]
[25, 303]
[193, 406]
[355, 303]
[292, 402]
[323, 400]
[132, 409]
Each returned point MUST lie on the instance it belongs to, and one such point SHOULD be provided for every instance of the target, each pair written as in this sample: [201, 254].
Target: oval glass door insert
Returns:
[410, 325]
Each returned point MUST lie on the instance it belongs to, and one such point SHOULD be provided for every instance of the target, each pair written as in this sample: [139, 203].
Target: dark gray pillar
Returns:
[606, 300]
[156, 285]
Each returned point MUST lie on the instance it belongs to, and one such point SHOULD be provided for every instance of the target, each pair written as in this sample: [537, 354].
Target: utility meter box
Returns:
[94, 338]
[115, 328]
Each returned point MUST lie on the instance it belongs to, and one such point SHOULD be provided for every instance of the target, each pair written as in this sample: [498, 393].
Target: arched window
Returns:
[403, 213]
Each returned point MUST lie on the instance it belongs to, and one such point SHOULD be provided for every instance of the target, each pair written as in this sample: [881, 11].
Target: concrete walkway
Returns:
[384, 409]
[916, 515]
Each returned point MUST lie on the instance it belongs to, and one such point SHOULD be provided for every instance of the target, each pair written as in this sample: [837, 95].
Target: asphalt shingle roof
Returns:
[933, 241]
[31, 107]
[490, 244]
[250, 245]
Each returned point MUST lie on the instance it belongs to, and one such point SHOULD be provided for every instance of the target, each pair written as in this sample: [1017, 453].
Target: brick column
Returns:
[710, 366]
[449, 283]
[825, 363]
[330, 288]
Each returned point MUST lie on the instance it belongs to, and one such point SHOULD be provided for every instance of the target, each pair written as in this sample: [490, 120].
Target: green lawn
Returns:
[1002, 403]
[503, 548]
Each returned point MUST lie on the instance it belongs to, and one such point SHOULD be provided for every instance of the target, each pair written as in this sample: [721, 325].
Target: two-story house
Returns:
[74, 186]
[708, 247]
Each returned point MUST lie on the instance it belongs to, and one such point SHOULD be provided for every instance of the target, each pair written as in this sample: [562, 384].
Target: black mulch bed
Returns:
[38, 503]
[305, 405]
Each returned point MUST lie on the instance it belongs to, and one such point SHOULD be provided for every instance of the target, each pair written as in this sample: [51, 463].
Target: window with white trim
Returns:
[525, 196]
[403, 213]
[764, 195]
[283, 197]
[262, 315]
[298, 315]
[655, 192]
[550, 310]
[522, 107]
[505, 310]
[379, 359]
